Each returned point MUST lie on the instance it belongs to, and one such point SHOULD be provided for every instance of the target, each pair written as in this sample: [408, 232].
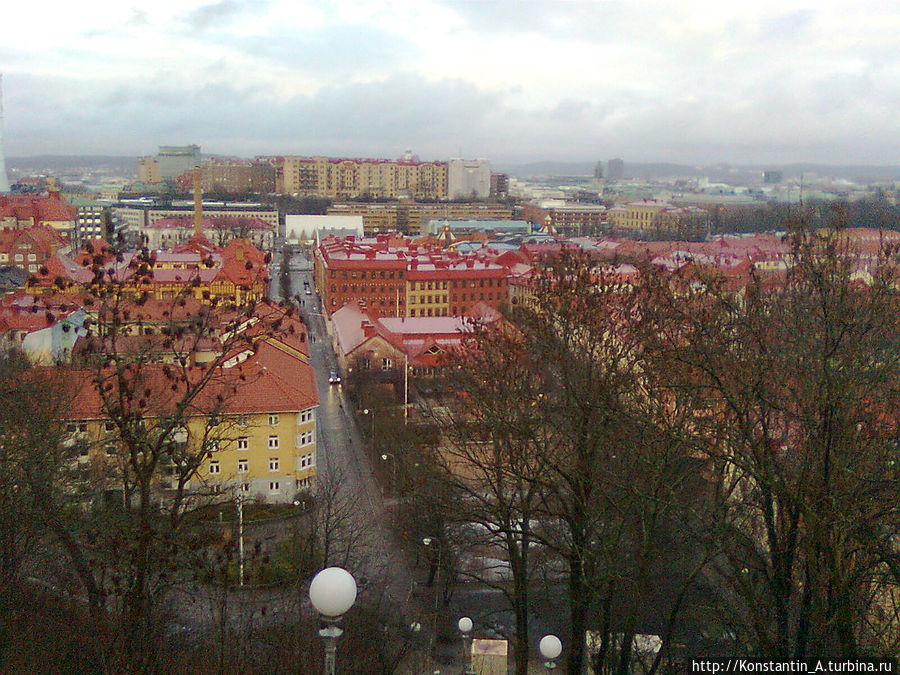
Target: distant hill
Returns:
[120, 164]
[722, 171]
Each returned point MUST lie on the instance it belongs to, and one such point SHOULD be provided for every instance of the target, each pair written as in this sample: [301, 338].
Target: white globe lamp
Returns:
[332, 591]
[550, 647]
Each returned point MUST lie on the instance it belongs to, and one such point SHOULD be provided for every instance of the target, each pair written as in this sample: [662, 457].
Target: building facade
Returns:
[405, 281]
[336, 178]
[468, 178]
[413, 219]
[232, 177]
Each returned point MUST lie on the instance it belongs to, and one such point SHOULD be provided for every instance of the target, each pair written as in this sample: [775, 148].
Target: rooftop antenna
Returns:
[4, 178]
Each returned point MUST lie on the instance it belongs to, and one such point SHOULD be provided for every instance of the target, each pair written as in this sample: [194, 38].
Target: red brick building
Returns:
[397, 278]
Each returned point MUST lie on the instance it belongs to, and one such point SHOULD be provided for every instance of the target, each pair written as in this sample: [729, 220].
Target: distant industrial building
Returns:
[468, 178]
[170, 162]
[615, 169]
[772, 177]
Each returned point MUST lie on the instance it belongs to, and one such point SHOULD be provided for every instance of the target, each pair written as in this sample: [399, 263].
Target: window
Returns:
[306, 416]
[243, 466]
[273, 441]
[245, 487]
[273, 464]
[386, 364]
[214, 467]
[274, 486]
[305, 438]
[32, 257]
[306, 461]
[243, 443]
[273, 420]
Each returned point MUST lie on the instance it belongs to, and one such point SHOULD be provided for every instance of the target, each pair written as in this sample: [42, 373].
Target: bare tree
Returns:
[794, 381]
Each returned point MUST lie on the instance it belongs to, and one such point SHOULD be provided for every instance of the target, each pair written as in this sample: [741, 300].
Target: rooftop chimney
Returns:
[198, 202]
[4, 179]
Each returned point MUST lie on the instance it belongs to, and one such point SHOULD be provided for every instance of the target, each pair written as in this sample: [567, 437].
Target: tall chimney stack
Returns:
[198, 202]
[4, 179]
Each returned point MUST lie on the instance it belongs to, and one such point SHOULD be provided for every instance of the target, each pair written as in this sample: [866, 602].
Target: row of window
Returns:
[243, 465]
[372, 275]
[18, 257]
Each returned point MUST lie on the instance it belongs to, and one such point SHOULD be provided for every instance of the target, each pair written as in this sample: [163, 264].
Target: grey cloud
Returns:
[777, 123]
[217, 14]
[331, 52]
[788, 26]
[595, 21]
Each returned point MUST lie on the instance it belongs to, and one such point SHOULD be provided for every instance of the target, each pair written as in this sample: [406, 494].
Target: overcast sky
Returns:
[649, 80]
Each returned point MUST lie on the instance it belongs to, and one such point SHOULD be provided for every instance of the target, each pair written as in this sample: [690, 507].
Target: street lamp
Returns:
[550, 647]
[384, 457]
[465, 631]
[332, 592]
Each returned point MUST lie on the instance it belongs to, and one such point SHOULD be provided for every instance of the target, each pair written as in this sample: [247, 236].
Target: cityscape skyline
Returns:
[686, 82]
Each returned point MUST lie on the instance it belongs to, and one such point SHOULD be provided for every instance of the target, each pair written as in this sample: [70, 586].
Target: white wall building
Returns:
[299, 229]
[468, 178]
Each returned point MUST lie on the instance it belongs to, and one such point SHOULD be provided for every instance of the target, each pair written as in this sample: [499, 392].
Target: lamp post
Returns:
[384, 457]
[240, 513]
[332, 592]
[465, 631]
[550, 647]
[371, 414]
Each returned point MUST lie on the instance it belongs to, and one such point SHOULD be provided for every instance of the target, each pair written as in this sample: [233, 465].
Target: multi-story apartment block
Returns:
[232, 176]
[89, 220]
[403, 280]
[561, 217]
[352, 178]
[468, 178]
[345, 271]
[262, 445]
[148, 170]
[659, 219]
[452, 287]
[413, 219]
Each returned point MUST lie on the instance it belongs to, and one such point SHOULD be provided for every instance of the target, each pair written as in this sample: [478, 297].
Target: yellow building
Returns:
[148, 170]
[413, 218]
[352, 178]
[659, 218]
[254, 432]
